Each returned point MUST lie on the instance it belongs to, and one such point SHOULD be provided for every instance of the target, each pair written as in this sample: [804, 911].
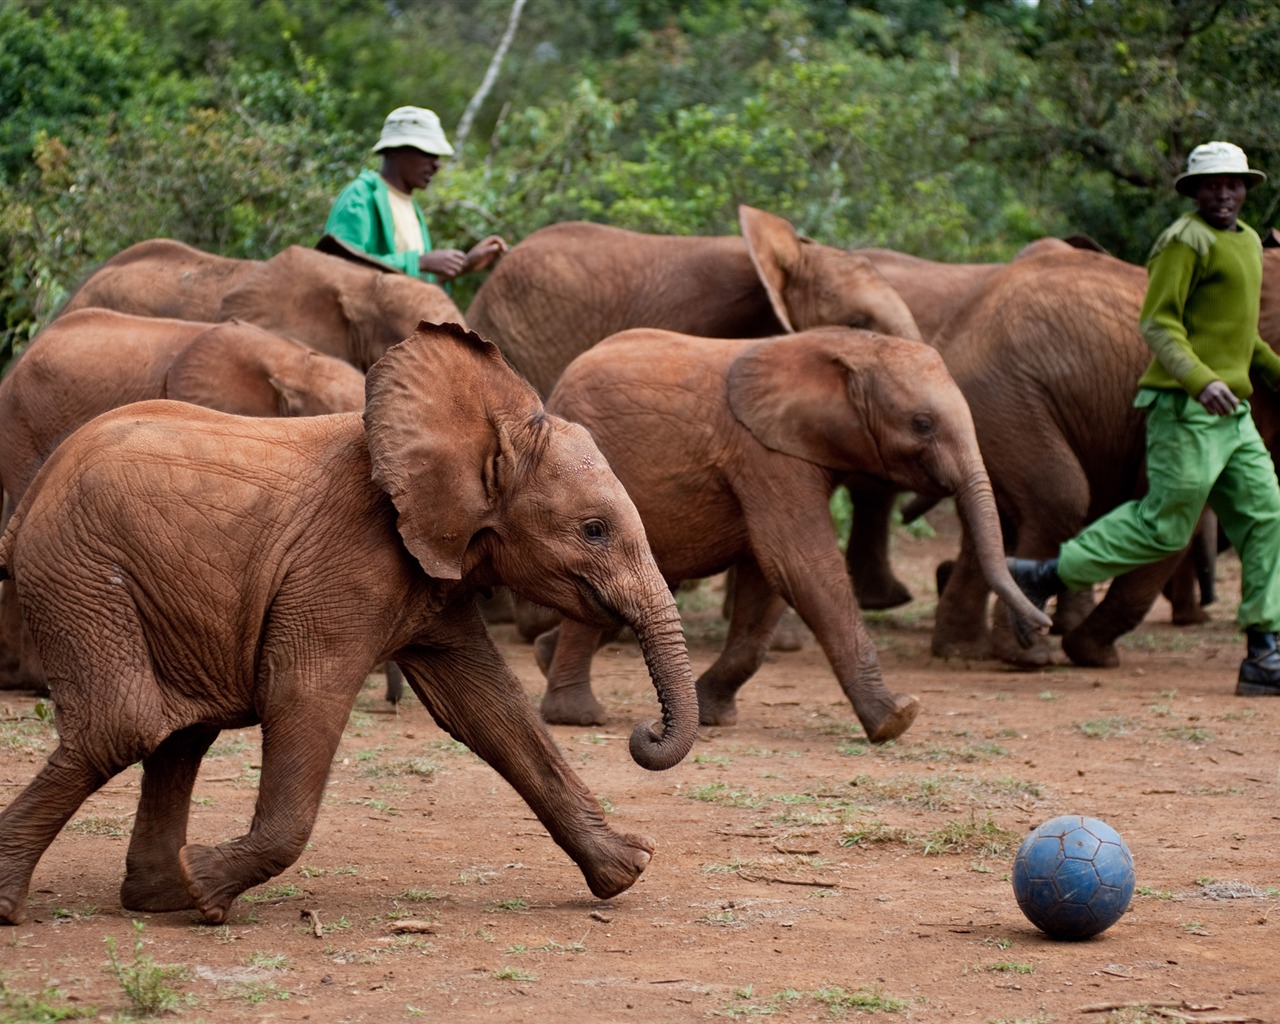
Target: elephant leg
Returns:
[475, 697]
[1183, 592]
[569, 700]
[498, 606]
[395, 682]
[867, 554]
[960, 628]
[788, 634]
[1128, 600]
[301, 730]
[756, 609]
[34, 819]
[1071, 609]
[153, 879]
[11, 628]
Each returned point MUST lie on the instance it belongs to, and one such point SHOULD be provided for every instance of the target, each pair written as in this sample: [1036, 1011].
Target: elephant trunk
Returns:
[656, 623]
[977, 507]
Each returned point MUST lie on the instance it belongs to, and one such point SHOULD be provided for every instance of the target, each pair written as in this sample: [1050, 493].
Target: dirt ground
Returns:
[799, 873]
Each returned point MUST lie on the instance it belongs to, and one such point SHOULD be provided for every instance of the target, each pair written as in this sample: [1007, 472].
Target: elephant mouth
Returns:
[604, 613]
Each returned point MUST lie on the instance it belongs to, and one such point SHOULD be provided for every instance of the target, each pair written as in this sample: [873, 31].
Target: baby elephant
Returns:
[184, 571]
[93, 360]
[730, 450]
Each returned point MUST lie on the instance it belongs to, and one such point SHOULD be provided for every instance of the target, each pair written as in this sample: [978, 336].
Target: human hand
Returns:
[1218, 398]
[444, 263]
[484, 252]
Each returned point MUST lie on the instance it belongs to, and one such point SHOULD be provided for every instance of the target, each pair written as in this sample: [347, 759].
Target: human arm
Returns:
[1172, 273]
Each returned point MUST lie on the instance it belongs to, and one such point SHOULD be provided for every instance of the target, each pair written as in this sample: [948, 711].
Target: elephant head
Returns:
[342, 308]
[857, 402]
[240, 368]
[530, 496]
[813, 285]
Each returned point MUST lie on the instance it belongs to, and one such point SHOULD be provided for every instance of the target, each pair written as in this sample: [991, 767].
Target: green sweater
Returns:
[1200, 316]
[361, 217]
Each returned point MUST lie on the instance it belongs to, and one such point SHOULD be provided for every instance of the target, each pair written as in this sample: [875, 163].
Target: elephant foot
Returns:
[13, 909]
[977, 648]
[572, 705]
[896, 722]
[1071, 609]
[212, 886]
[788, 635]
[716, 708]
[1090, 652]
[154, 892]
[619, 866]
[1189, 615]
[544, 649]
[881, 595]
[1008, 650]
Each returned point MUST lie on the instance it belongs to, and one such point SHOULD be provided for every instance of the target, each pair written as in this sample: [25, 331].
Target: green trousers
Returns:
[1194, 458]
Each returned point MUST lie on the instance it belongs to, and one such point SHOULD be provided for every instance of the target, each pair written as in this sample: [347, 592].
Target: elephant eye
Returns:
[595, 531]
[922, 425]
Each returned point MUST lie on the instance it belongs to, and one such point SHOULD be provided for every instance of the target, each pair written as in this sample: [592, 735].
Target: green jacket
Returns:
[1200, 315]
[361, 217]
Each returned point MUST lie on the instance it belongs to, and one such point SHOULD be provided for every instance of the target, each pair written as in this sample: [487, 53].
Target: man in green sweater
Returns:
[1200, 318]
[378, 215]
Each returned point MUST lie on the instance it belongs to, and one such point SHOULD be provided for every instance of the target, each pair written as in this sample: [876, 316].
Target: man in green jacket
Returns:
[378, 215]
[1200, 318]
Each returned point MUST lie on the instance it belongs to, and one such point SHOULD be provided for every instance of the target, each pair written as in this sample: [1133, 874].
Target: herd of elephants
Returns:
[232, 487]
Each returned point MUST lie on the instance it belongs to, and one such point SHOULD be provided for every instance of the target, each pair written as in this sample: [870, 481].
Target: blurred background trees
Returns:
[952, 129]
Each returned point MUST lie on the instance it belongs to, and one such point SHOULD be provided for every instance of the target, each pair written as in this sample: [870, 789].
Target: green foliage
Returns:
[145, 982]
[956, 131]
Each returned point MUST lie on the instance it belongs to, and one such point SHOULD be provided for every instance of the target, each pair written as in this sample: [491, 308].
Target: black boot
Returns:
[1037, 578]
[1260, 671]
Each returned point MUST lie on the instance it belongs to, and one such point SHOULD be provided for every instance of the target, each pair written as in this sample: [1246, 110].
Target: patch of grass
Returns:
[984, 838]
[1146, 890]
[145, 982]
[113, 825]
[1190, 733]
[514, 974]
[515, 904]
[711, 759]
[874, 833]
[720, 793]
[1105, 728]
[871, 998]
[260, 991]
[381, 806]
[1008, 967]
[968, 753]
[419, 767]
[268, 893]
[229, 748]
[420, 896]
[80, 914]
[266, 961]
[42, 1007]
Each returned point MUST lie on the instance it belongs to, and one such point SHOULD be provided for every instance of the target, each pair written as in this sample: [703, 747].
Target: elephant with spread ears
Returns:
[342, 307]
[184, 571]
[93, 360]
[730, 449]
[567, 286]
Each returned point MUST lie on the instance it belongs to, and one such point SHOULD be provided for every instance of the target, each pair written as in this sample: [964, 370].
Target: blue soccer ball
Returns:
[1073, 877]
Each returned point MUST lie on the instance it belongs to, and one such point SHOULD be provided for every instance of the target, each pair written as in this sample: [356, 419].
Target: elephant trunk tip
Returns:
[656, 749]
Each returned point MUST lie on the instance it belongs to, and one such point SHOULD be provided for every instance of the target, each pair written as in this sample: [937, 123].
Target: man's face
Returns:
[416, 167]
[1219, 198]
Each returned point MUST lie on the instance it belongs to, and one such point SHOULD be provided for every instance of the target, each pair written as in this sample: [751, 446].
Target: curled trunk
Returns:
[657, 627]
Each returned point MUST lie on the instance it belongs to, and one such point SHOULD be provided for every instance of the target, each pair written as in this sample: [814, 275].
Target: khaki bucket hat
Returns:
[414, 126]
[1216, 158]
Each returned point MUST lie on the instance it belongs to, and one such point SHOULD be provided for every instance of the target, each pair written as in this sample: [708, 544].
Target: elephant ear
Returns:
[774, 245]
[437, 410]
[806, 396]
[227, 368]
